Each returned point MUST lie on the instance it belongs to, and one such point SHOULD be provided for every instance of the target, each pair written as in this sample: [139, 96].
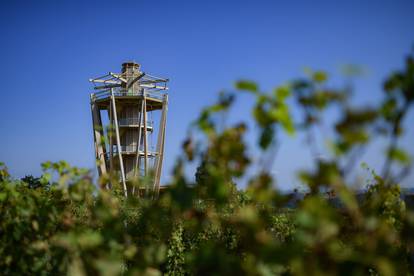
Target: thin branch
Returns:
[402, 174]
[386, 171]
[352, 161]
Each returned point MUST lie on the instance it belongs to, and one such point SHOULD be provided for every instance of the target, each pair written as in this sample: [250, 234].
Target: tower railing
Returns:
[122, 92]
[133, 149]
[134, 121]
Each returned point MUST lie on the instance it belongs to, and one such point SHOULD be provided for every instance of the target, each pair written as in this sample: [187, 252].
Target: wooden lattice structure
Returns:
[128, 101]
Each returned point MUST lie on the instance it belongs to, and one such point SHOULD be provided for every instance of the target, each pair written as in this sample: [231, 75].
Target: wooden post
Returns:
[97, 135]
[137, 160]
[118, 141]
[144, 99]
[160, 146]
[145, 137]
[111, 141]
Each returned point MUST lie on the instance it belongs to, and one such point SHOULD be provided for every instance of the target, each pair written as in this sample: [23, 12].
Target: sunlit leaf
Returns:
[247, 86]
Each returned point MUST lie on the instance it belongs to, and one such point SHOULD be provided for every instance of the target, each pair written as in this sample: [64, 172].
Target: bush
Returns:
[63, 224]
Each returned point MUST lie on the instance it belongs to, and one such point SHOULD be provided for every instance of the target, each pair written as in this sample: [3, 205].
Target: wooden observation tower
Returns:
[131, 104]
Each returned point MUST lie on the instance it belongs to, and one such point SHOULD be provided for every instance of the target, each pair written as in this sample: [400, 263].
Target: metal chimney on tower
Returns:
[130, 101]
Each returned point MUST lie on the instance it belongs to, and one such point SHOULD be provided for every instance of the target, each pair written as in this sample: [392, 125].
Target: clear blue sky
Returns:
[49, 49]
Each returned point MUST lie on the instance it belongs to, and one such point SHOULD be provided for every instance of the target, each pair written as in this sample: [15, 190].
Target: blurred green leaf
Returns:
[319, 76]
[247, 86]
[399, 155]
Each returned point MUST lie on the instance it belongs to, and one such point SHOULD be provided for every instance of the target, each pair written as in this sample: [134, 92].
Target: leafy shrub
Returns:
[61, 224]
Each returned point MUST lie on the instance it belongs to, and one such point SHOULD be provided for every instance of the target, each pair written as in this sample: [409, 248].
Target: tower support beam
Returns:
[140, 126]
[144, 99]
[111, 138]
[98, 136]
[118, 141]
[160, 146]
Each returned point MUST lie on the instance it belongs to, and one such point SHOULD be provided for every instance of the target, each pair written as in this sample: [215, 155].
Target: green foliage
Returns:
[246, 85]
[61, 223]
[270, 112]
[32, 182]
[283, 225]
[175, 255]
